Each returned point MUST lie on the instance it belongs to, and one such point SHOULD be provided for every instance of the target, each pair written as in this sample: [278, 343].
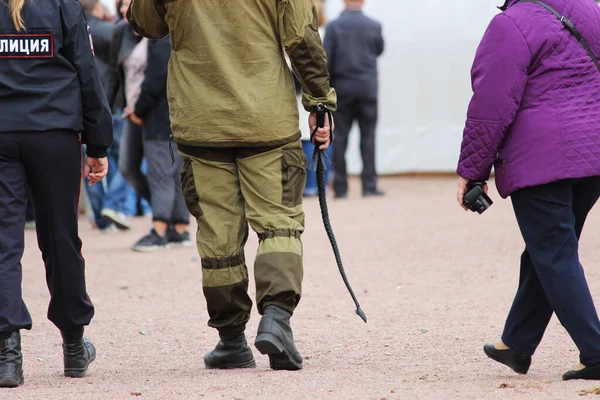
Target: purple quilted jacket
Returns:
[535, 111]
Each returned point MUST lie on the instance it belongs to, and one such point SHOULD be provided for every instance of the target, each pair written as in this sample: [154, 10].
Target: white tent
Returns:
[425, 82]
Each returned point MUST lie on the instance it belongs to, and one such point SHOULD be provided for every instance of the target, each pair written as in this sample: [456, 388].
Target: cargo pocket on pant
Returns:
[293, 175]
[188, 187]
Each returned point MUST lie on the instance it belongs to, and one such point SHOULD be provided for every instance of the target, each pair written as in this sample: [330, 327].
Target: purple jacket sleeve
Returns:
[499, 75]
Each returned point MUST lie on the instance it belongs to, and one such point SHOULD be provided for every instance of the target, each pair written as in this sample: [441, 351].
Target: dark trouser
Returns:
[131, 154]
[351, 108]
[29, 215]
[50, 163]
[164, 180]
[551, 219]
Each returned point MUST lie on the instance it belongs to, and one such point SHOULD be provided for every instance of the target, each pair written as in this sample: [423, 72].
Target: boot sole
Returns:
[78, 372]
[279, 357]
[11, 382]
[247, 364]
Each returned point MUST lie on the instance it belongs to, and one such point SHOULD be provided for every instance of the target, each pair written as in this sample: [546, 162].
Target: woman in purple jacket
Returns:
[535, 117]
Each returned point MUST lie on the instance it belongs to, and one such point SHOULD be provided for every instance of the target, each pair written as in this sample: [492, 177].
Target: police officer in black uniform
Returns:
[51, 100]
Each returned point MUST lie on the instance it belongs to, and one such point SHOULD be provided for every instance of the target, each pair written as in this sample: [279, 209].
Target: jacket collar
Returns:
[507, 4]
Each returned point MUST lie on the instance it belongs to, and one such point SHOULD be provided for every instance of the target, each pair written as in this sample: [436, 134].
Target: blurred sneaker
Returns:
[109, 229]
[179, 239]
[116, 217]
[151, 242]
[29, 225]
[373, 193]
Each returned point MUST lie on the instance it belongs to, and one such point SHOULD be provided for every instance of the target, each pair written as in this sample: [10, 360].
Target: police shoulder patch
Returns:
[27, 45]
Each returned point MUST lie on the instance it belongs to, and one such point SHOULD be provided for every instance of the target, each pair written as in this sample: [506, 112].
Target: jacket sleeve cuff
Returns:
[96, 151]
[473, 174]
[329, 101]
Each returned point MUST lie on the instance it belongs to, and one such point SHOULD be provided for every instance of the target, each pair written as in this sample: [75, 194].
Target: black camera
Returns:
[475, 199]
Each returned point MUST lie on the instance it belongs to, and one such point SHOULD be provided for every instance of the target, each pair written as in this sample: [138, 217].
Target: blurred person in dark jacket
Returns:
[108, 201]
[170, 217]
[123, 81]
[353, 42]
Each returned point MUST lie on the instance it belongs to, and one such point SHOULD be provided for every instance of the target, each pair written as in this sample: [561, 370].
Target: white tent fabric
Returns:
[425, 82]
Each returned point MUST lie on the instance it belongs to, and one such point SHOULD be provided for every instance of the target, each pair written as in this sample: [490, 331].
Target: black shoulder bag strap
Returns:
[570, 27]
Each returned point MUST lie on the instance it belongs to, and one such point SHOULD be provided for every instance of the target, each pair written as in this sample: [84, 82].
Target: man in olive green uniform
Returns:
[234, 118]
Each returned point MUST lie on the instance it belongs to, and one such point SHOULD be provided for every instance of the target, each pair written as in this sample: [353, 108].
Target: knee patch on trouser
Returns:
[278, 269]
[225, 285]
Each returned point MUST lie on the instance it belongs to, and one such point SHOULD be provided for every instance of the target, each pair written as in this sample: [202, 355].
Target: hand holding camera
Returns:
[472, 195]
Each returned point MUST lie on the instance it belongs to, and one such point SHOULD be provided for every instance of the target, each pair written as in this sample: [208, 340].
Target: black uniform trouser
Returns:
[364, 110]
[551, 219]
[50, 163]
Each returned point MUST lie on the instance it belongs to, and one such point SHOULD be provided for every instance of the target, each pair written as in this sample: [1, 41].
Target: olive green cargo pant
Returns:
[227, 188]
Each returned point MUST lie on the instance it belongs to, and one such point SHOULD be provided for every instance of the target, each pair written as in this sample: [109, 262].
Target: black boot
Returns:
[11, 360]
[232, 351]
[275, 338]
[78, 353]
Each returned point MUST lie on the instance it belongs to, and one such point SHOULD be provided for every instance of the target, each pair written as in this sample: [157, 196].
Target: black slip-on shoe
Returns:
[591, 372]
[518, 362]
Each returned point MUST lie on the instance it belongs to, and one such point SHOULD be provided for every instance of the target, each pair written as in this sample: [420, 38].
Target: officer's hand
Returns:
[95, 169]
[322, 135]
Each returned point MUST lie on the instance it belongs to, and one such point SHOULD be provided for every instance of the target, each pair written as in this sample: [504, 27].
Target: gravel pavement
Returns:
[435, 282]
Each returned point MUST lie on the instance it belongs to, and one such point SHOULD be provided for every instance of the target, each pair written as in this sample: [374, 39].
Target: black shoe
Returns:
[151, 242]
[78, 353]
[591, 372]
[373, 193]
[231, 352]
[11, 360]
[340, 195]
[518, 362]
[178, 239]
[275, 339]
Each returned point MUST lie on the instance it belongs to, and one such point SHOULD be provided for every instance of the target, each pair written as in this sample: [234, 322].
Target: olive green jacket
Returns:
[229, 83]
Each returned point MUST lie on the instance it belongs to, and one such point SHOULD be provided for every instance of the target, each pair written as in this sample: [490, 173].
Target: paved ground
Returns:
[435, 282]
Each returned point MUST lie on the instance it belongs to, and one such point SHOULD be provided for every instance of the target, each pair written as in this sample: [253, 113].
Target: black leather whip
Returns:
[319, 159]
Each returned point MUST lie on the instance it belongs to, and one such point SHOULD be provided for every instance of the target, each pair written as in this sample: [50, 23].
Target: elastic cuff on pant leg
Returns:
[514, 346]
[5, 335]
[72, 336]
[231, 331]
[286, 307]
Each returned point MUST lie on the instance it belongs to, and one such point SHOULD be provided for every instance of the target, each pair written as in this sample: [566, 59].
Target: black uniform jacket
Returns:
[48, 78]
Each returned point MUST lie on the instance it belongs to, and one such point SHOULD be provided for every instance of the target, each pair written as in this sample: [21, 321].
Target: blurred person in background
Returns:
[353, 42]
[52, 100]
[535, 117]
[170, 216]
[123, 82]
[108, 200]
